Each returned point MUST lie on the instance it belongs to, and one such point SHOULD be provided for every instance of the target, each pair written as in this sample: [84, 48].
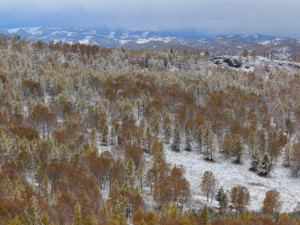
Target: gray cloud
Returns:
[279, 17]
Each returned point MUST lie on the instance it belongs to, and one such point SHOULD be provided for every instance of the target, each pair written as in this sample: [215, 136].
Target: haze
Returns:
[276, 17]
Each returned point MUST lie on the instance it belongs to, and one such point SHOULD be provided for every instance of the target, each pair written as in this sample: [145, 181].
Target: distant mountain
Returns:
[183, 40]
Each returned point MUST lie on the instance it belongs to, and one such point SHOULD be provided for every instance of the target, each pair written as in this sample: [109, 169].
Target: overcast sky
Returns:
[278, 17]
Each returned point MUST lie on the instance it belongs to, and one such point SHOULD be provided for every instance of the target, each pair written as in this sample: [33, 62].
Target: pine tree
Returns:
[130, 172]
[265, 166]
[221, 197]
[200, 136]
[166, 123]
[255, 160]
[188, 146]
[238, 147]
[46, 189]
[138, 104]
[102, 120]
[32, 214]
[148, 139]
[176, 139]
[105, 132]
[127, 111]
[77, 216]
[156, 124]
[208, 138]
[204, 215]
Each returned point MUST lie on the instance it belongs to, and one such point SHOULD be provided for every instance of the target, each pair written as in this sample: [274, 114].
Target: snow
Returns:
[86, 41]
[111, 35]
[229, 175]
[146, 40]
[122, 42]
[13, 31]
[33, 30]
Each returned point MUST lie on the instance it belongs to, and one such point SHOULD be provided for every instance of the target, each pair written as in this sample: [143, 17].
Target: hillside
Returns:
[114, 135]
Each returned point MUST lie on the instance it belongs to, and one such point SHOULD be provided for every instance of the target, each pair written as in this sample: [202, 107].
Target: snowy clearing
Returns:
[229, 175]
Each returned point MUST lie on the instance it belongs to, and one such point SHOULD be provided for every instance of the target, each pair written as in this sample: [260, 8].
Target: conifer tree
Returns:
[176, 138]
[105, 132]
[148, 139]
[166, 123]
[221, 197]
[102, 120]
[208, 138]
[188, 146]
[255, 160]
[32, 214]
[238, 147]
[130, 172]
[200, 136]
[265, 166]
[77, 216]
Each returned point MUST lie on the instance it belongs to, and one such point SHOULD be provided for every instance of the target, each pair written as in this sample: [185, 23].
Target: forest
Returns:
[87, 135]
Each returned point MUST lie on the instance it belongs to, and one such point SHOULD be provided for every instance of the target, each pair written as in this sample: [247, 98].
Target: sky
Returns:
[275, 17]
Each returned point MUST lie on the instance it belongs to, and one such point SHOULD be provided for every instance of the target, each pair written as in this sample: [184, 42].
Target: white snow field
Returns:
[229, 175]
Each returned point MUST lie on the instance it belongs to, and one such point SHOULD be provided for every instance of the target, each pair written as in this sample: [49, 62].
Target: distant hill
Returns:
[281, 47]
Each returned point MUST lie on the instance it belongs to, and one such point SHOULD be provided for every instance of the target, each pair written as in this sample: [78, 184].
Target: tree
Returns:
[265, 165]
[287, 155]
[227, 145]
[32, 214]
[255, 160]
[206, 55]
[208, 184]
[221, 197]
[272, 202]
[208, 138]
[240, 197]
[200, 136]
[166, 123]
[188, 146]
[238, 147]
[105, 133]
[77, 216]
[245, 53]
[176, 139]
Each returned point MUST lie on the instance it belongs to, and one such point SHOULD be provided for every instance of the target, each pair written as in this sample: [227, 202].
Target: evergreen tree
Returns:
[255, 160]
[208, 138]
[200, 136]
[105, 132]
[77, 216]
[102, 120]
[32, 214]
[265, 166]
[167, 128]
[176, 139]
[188, 146]
[130, 172]
[221, 197]
[238, 147]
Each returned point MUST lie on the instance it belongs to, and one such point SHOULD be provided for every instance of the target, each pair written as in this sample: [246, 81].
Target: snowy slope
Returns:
[229, 175]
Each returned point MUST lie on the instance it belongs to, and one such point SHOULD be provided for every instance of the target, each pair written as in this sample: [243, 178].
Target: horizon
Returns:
[215, 17]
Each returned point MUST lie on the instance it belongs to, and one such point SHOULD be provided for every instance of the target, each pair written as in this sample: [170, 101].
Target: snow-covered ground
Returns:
[229, 175]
